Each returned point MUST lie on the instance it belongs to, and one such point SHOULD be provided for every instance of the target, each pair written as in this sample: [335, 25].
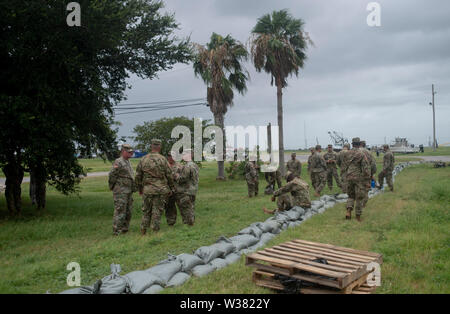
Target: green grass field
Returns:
[409, 227]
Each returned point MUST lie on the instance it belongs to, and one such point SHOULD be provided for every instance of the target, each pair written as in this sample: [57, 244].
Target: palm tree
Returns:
[278, 45]
[219, 65]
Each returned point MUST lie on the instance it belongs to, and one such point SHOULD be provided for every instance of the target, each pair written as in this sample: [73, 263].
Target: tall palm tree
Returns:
[278, 44]
[219, 64]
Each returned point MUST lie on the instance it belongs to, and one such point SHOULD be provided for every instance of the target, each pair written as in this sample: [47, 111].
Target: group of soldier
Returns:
[163, 184]
[357, 171]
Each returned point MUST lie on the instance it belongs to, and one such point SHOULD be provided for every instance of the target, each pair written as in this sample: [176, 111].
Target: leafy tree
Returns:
[59, 83]
[219, 64]
[162, 129]
[278, 44]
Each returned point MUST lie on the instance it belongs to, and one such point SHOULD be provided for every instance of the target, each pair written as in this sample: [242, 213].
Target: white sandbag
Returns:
[202, 270]
[220, 249]
[342, 196]
[79, 290]
[153, 289]
[232, 258]
[114, 283]
[165, 270]
[189, 261]
[218, 263]
[266, 237]
[301, 211]
[293, 214]
[270, 226]
[178, 279]
[252, 230]
[139, 281]
[243, 241]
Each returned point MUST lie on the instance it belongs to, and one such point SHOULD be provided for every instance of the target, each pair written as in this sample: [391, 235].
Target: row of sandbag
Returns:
[176, 270]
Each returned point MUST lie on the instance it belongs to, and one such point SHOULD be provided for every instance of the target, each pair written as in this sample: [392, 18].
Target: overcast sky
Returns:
[371, 82]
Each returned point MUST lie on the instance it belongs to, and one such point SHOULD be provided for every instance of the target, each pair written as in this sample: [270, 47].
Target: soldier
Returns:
[388, 167]
[171, 208]
[309, 159]
[294, 165]
[121, 182]
[318, 170]
[294, 193]
[155, 182]
[272, 178]
[251, 176]
[373, 170]
[186, 188]
[342, 162]
[331, 160]
[357, 172]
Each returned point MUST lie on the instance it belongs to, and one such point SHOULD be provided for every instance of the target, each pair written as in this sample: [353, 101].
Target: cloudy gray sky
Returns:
[371, 82]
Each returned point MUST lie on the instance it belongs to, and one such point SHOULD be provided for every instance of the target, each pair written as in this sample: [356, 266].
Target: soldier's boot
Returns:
[348, 215]
[358, 218]
[143, 231]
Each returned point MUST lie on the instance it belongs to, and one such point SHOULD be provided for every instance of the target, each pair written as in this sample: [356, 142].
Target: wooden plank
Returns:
[285, 272]
[339, 270]
[275, 261]
[331, 261]
[343, 255]
[324, 255]
[297, 265]
[341, 248]
[302, 247]
[309, 260]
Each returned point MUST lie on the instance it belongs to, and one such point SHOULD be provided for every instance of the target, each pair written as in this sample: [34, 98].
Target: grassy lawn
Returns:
[410, 228]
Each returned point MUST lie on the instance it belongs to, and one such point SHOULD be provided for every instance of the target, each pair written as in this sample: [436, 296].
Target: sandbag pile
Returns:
[176, 270]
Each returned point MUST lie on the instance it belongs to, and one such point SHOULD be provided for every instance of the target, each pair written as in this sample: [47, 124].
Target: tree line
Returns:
[59, 84]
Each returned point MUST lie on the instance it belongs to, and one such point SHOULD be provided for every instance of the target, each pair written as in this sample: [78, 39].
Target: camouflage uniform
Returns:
[272, 178]
[342, 162]
[332, 169]
[318, 172]
[121, 182]
[388, 167]
[357, 172]
[309, 161]
[171, 208]
[299, 191]
[295, 166]
[373, 170]
[154, 180]
[251, 176]
[186, 188]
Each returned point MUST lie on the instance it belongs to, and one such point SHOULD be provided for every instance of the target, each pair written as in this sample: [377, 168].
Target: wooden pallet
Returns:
[296, 259]
[267, 280]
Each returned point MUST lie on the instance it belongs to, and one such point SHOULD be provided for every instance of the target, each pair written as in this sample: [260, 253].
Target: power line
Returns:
[168, 102]
[161, 108]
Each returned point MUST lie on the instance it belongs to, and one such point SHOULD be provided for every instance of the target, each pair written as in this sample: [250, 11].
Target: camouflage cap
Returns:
[311, 149]
[318, 147]
[329, 145]
[127, 147]
[156, 141]
[356, 140]
[293, 154]
[347, 145]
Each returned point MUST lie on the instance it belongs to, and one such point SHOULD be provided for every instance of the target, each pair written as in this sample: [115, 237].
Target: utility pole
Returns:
[434, 118]
[269, 140]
